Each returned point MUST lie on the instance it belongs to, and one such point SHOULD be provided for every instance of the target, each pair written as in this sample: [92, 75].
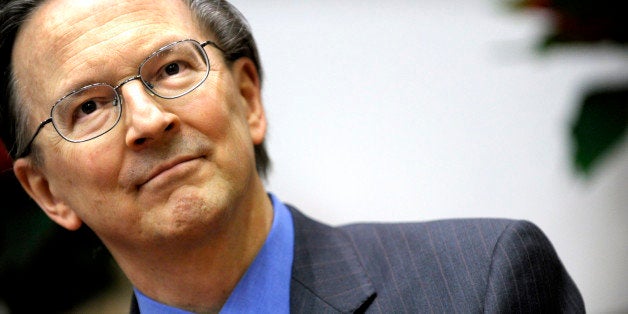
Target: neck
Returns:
[200, 277]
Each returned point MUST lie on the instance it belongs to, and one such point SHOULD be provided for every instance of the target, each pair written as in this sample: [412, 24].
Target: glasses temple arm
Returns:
[27, 150]
[213, 44]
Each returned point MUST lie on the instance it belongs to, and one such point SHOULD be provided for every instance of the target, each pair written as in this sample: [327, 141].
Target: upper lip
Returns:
[165, 166]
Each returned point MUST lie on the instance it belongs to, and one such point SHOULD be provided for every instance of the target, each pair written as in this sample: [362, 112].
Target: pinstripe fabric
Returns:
[448, 266]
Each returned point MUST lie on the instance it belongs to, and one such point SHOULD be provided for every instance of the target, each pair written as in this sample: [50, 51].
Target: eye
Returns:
[169, 75]
[88, 107]
[171, 69]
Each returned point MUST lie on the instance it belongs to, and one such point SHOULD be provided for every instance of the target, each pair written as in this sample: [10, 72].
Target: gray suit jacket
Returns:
[448, 266]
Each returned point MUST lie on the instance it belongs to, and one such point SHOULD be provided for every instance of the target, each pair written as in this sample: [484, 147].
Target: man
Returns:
[156, 144]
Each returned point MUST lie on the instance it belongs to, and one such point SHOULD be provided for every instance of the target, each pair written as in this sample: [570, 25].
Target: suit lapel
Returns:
[326, 272]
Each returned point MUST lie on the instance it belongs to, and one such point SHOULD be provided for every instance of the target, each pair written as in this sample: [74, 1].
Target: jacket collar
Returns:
[326, 271]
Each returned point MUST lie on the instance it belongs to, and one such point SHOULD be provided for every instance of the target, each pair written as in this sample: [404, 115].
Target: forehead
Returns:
[66, 40]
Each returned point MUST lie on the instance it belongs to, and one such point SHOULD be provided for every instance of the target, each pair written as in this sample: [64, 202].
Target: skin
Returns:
[172, 190]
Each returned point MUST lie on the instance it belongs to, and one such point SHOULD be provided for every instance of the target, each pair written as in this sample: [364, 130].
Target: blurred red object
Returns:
[584, 21]
[5, 159]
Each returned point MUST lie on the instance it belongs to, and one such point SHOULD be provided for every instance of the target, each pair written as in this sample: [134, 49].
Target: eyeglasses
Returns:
[93, 110]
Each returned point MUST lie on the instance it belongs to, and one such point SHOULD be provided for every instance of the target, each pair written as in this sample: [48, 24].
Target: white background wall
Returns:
[415, 110]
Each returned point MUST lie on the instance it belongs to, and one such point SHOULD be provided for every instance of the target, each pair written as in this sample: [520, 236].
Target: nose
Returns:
[146, 120]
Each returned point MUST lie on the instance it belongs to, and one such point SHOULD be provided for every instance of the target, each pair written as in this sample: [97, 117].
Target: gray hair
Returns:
[233, 35]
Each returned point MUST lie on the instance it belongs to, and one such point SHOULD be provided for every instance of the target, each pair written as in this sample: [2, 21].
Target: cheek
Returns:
[220, 116]
[92, 166]
[213, 114]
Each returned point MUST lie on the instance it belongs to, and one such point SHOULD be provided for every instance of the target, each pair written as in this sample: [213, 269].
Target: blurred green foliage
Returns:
[601, 117]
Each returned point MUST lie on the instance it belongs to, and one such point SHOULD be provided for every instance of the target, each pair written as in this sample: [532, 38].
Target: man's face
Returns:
[170, 168]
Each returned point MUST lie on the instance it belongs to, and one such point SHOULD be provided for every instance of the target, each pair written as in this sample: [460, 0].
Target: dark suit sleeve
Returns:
[135, 308]
[527, 276]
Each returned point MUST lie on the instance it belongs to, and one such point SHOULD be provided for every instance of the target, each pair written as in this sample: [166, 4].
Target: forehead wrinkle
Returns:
[91, 65]
[114, 37]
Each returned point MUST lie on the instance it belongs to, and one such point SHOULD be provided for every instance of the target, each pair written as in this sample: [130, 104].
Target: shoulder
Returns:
[454, 265]
[445, 246]
[496, 265]
[437, 232]
[474, 239]
[449, 244]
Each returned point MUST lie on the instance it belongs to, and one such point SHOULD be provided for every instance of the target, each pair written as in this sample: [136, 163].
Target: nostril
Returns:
[140, 141]
[169, 127]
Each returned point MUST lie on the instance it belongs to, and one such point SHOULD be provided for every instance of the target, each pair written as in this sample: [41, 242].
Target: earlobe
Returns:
[250, 89]
[37, 186]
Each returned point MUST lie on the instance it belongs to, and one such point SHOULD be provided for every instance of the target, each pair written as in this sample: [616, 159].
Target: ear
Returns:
[248, 82]
[37, 186]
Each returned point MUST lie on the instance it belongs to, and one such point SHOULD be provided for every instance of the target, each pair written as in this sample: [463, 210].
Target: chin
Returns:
[195, 213]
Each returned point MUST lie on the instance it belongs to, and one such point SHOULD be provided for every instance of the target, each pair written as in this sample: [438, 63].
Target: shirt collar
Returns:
[265, 287]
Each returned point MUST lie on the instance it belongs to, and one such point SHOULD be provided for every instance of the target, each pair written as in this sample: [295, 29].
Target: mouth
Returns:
[165, 168]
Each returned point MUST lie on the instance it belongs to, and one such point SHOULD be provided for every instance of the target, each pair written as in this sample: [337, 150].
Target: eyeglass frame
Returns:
[48, 120]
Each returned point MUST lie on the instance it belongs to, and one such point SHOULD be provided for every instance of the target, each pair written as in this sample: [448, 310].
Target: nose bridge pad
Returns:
[149, 87]
[146, 88]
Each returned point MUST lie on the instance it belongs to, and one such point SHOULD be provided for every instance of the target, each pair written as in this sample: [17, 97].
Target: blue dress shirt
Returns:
[265, 287]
